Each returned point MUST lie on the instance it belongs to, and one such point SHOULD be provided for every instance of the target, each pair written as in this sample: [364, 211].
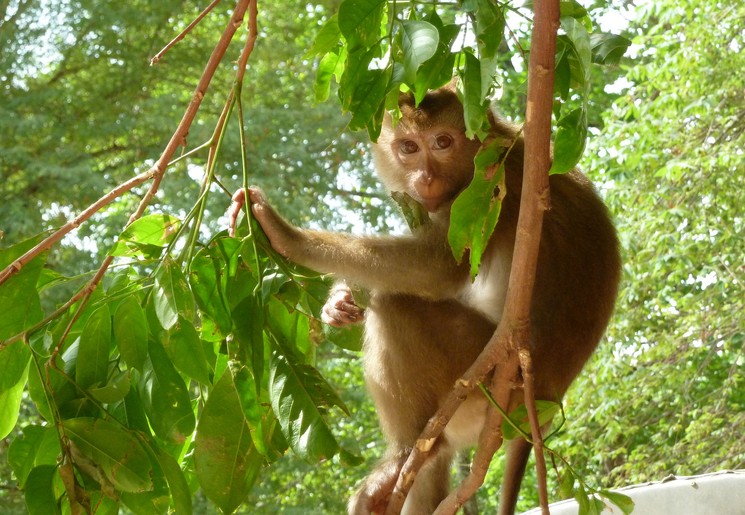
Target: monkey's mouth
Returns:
[431, 204]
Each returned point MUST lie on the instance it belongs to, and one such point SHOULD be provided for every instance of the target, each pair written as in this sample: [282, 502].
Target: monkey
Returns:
[426, 320]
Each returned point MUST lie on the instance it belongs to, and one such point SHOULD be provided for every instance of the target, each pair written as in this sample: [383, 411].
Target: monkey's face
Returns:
[437, 164]
[426, 153]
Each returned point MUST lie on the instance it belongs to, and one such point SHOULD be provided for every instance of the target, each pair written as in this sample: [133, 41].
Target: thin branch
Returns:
[157, 57]
[535, 200]
[183, 128]
[490, 440]
[60, 233]
[253, 33]
[156, 172]
[178, 137]
[513, 332]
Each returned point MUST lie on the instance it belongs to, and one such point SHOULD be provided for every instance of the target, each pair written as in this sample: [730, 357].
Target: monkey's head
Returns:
[426, 153]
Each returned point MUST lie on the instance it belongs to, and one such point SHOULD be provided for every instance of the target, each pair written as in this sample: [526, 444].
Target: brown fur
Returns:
[427, 322]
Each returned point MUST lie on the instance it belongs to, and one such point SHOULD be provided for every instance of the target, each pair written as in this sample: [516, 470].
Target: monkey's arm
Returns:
[420, 264]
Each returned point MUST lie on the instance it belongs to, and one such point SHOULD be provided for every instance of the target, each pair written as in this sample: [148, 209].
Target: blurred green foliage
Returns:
[81, 111]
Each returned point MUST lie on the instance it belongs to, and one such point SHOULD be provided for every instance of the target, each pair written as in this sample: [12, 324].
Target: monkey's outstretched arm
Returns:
[405, 264]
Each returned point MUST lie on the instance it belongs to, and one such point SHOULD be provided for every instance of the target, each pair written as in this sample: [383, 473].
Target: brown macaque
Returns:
[426, 321]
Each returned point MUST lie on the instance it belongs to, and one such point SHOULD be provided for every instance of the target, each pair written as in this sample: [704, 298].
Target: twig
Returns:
[157, 171]
[73, 224]
[514, 328]
[535, 198]
[154, 60]
[490, 440]
[253, 33]
[183, 128]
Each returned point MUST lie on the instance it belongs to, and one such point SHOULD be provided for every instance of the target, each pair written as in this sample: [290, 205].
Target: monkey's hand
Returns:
[341, 309]
[284, 238]
[239, 198]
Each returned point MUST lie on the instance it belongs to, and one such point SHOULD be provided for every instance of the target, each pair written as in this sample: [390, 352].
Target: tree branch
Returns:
[509, 345]
[157, 57]
[157, 171]
[535, 199]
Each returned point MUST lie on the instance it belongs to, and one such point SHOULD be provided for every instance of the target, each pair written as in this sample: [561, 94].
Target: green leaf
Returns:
[349, 338]
[368, 99]
[19, 298]
[172, 297]
[10, 404]
[546, 412]
[249, 347]
[562, 73]
[474, 105]
[583, 500]
[226, 462]
[36, 446]
[572, 9]
[608, 49]
[165, 397]
[360, 21]
[566, 485]
[355, 67]
[177, 485]
[578, 40]
[475, 212]
[156, 230]
[205, 278]
[331, 65]
[248, 394]
[419, 41]
[92, 365]
[289, 328]
[570, 141]
[39, 491]
[622, 501]
[131, 411]
[116, 452]
[327, 39]
[413, 212]
[489, 28]
[438, 70]
[14, 361]
[131, 331]
[146, 503]
[183, 346]
[114, 391]
[299, 396]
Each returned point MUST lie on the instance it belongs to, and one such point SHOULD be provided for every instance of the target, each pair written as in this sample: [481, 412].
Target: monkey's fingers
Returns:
[239, 199]
[282, 236]
[342, 315]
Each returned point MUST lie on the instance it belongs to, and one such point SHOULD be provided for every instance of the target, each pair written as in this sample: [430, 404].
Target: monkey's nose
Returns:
[425, 178]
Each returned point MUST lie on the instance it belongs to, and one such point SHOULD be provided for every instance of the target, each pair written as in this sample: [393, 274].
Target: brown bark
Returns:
[508, 348]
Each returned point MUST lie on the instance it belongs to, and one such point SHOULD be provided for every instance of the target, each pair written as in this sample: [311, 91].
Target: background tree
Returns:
[79, 111]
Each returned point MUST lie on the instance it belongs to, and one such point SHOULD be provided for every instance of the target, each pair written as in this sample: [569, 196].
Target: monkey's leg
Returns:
[430, 487]
[414, 352]
[518, 452]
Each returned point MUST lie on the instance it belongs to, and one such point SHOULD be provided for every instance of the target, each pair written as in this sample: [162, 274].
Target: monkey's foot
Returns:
[341, 310]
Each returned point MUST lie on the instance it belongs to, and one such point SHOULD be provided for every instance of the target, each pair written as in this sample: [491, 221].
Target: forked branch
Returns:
[509, 345]
[156, 172]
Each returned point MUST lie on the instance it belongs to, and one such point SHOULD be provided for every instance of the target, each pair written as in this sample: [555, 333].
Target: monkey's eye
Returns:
[408, 147]
[443, 141]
